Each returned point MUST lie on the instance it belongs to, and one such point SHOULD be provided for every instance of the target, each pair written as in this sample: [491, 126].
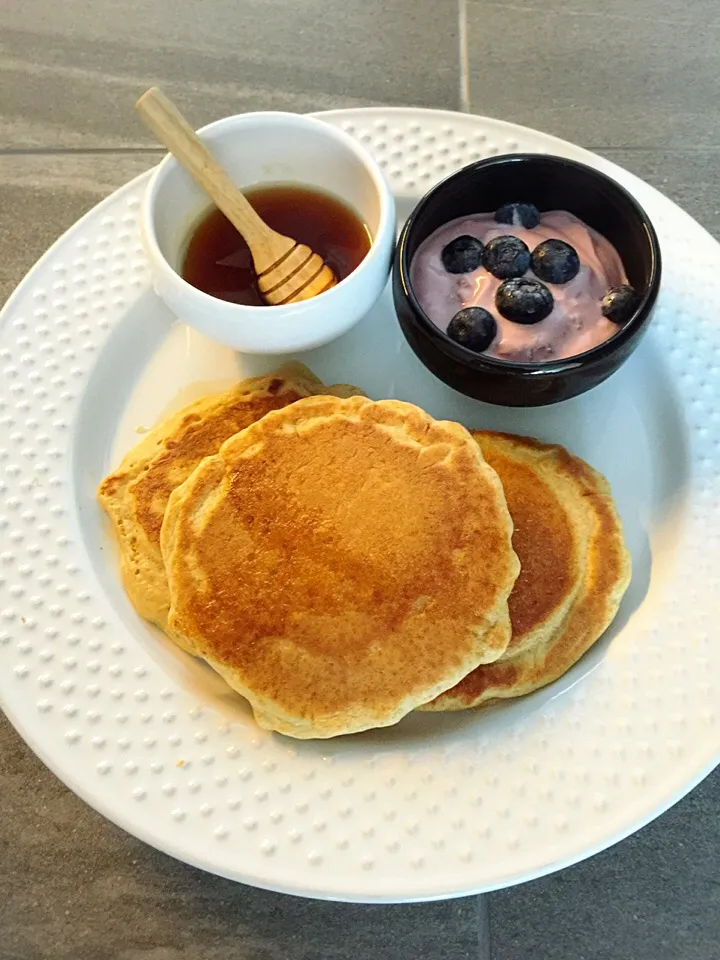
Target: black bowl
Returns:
[551, 183]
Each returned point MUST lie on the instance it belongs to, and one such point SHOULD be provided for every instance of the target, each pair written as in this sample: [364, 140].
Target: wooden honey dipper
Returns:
[287, 271]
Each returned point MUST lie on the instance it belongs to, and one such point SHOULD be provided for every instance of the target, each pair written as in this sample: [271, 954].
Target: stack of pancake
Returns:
[342, 561]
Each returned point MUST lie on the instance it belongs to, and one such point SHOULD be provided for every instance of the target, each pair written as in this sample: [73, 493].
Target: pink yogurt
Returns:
[576, 323]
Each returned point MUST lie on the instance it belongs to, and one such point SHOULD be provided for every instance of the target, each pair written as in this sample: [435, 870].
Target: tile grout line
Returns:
[75, 151]
[484, 931]
[464, 78]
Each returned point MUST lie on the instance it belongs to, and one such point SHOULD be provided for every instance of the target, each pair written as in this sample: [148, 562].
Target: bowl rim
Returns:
[536, 368]
[224, 126]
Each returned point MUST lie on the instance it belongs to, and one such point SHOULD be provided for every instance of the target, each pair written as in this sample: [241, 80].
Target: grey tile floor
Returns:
[636, 82]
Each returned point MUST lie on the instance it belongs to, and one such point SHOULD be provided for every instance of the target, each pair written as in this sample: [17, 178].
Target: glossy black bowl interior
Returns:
[551, 183]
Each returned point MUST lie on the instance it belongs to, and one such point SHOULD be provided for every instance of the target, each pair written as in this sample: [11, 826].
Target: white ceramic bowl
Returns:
[265, 148]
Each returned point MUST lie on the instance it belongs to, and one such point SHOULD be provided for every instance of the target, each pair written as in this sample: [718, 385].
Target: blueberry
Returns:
[506, 257]
[473, 327]
[619, 303]
[524, 300]
[462, 255]
[519, 215]
[555, 261]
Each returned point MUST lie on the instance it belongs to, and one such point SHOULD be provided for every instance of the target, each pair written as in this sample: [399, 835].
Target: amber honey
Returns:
[218, 260]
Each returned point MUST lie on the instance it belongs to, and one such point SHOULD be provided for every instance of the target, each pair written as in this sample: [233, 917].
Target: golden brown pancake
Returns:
[550, 532]
[340, 562]
[575, 568]
[136, 494]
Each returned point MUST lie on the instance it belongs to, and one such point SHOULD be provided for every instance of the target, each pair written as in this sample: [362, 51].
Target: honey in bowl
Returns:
[218, 260]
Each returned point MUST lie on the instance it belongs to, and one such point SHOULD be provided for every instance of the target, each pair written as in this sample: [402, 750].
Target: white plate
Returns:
[438, 806]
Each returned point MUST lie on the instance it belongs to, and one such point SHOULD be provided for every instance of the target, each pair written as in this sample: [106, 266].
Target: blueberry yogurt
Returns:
[520, 285]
